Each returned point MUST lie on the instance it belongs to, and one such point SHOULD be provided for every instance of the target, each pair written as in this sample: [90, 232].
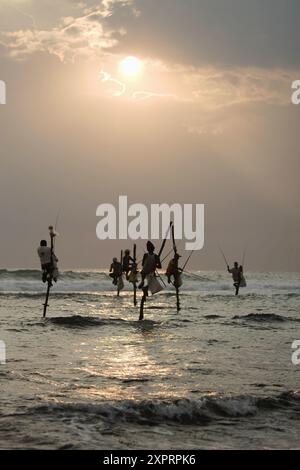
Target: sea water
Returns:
[216, 375]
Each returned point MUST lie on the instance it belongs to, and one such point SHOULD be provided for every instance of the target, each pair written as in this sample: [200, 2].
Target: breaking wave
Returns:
[175, 411]
[25, 281]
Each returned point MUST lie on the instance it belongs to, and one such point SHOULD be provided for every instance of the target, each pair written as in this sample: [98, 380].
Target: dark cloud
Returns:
[231, 32]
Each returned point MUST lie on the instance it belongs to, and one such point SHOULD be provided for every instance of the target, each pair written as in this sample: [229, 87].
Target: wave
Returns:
[184, 411]
[213, 316]
[78, 295]
[264, 317]
[20, 274]
[35, 274]
[80, 321]
[211, 283]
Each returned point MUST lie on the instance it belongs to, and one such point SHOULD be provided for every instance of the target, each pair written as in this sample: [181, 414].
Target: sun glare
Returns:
[131, 66]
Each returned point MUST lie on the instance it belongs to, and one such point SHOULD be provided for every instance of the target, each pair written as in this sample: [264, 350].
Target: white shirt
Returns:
[44, 253]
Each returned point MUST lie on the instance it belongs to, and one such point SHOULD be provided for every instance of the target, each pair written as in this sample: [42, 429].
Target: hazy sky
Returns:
[208, 120]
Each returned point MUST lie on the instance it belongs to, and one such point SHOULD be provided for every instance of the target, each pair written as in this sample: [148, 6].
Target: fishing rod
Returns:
[243, 257]
[171, 251]
[162, 246]
[196, 276]
[173, 240]
[165, 240]
[168, 254]
[188, 259]
[52, 234]
[237, 285]
[57, 219]
[222, 252]
[158, 275]
[55, 226]
[162, 249]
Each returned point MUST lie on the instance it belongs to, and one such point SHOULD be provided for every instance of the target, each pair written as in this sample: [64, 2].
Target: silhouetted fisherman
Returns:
[173, 271]
[128, 263]
[115, 270]
[48, 262]
[237, 274]
[150, 263]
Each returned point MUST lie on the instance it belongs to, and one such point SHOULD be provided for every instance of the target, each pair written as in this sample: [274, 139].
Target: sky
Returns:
[208, 119]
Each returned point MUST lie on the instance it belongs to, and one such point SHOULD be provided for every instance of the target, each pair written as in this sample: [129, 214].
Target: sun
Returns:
[131, 66]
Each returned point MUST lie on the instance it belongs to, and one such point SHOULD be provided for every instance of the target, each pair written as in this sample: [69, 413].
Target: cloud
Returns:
[105, 30]
[244, 33]
[207, 88]
[203, 130]
[109, 6]
[216, 88]
[82, 36]
[235, 33]
[146, 95]
[118, 88]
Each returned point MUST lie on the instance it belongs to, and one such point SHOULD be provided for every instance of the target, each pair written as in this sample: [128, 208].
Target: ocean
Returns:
[216, 375]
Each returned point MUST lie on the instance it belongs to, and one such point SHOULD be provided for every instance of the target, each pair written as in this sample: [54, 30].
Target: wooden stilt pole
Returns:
[50, 276]
[176, 277]
[121, 261]
[177, 299]
[47, 298]
[145, 289]
[135, 270]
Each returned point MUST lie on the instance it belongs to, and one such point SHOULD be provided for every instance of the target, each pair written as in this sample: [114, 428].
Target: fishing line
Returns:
[223, 256]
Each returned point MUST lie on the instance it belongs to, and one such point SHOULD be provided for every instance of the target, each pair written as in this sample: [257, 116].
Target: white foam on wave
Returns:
[24, 281]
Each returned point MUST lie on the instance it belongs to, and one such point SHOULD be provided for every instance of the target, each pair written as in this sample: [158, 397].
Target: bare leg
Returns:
[237, 288]
[144, 298]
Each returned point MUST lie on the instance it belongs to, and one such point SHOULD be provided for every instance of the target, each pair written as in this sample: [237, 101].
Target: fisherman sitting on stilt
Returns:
[128, 263]
[48, 262]
[174, 271]
[115, 270]
[236, 276]
[150, 263]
